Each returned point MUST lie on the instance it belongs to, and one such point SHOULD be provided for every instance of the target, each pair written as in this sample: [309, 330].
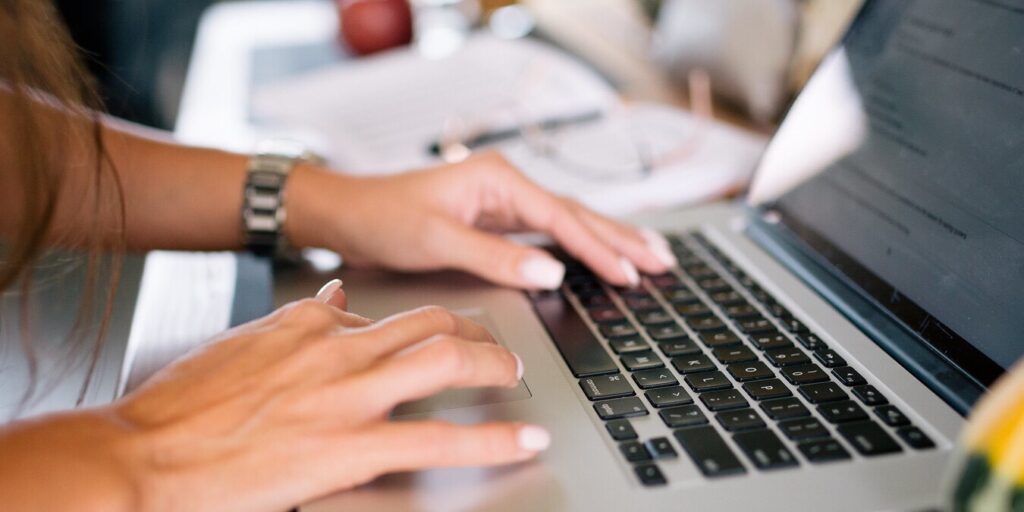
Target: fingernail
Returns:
[659, 246]
[328, 290]
[542, 272]
[632, 276]
[519, 367]
[533, 438]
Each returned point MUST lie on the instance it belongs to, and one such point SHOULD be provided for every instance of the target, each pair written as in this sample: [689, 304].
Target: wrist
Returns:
[314, 198]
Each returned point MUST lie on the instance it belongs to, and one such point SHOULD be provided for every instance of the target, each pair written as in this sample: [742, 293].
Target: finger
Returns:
[499, 260]
[646, 248]
[403, 330]
[333, 294]
[313, 316]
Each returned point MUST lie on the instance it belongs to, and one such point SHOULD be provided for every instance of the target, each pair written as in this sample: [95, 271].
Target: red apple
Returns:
[369, 26]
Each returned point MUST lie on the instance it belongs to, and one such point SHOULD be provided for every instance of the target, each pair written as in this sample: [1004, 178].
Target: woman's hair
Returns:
[49, 110]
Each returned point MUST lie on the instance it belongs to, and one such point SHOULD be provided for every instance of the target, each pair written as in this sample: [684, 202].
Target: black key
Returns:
[842, 412]
[821, 393]
[740, 419]
[714, 285]
[707, 381]
[787, 356]
[719, 339]
[868, 438]
[869, 395]
[637, 293]
[666, 332]
[641, 361]
[823, 450]
[891, 416]
[575, 341]
[766, 389]
[606, 386]
[621, 430]
[654, 378]
[679, 347]
[794, 326]
[829, 358]
[620, 408]
[723, 400]
[709, 452]
[915, 438]
[848, 376]
[661, 448]
[701, 271]
[784, 408]
[810, 341]
[728, 298]
[765, 450]
[693, 364]
[693, 310]
[680, 296]
[617, 330]
[741, 311]
[684, 416]
[596, 301]
[804, 374]
[665, 397]
[749, 371]
[655, 317]
[606, 314]
[756, 325]
[664, 281]
[649, 475]
[628, 344]
[644, 303]
[633, 451]
[777, 310]
[800, 429]
[730, 355]
[710, 323]
[770, 340]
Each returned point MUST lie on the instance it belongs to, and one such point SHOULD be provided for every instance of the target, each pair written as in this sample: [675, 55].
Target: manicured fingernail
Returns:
[328, 290]
[533, 438]
[519, 366]
[542, 272]
[632, 276]
[659, 246]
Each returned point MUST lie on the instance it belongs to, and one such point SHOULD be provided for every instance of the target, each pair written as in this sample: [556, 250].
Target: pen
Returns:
[493, 136]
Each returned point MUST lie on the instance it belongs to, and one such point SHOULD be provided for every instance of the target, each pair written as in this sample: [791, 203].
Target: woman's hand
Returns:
[273, 413]
[451, 217]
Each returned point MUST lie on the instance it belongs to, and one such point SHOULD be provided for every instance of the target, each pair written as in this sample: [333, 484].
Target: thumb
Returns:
[332, 294]
[499, 260]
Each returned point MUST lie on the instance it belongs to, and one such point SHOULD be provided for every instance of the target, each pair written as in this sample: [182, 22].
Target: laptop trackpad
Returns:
[459, 398]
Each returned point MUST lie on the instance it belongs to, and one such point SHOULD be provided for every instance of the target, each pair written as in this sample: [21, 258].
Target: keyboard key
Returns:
[684, 416]
[606, 314]
[770, 340]
[784, 408]
[719, 339]
[693, 364]
[801, 429]
[821, 393]
[756, 325]
[596, 301]
[749, 371]
[634, 451]
[868, 438]
[714, 285]
[701, 271]
[915, 438]
[787, 356]
[665, 397]
[829, 358]
[680, 296]
[811, 341]
[606, 386]
[655, 317]
[628, 344]
[679, 347]
[620, 430]
[741, 311]
[804, 374]
[641, 361]
[664, 281]
[649, 475]
[707, 381]
[666, 332]
[727, 298]
[793, 325]
[823, 450]
[777, 310]
[644, 303]
[891, 416]
[706, 324]
[848, 376]
[617, 330]
[575, 341]
[709, 452]
[661, 448]
[693, 310]
[654, 378]
[730, 355]
[842, 412]
[869, 395]
[740, 419]
[723, 400]
[620, 408]
[764, 449]
[767, 389]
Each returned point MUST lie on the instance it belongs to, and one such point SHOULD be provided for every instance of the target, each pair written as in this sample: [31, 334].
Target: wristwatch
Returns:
[263, 207]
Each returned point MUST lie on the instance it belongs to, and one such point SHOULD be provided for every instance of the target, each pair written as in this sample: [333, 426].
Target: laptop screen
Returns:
[902, 164]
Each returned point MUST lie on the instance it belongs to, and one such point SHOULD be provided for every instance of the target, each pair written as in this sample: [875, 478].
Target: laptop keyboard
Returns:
[715, 357]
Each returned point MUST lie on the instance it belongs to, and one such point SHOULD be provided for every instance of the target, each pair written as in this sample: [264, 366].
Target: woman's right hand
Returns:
[290, 407]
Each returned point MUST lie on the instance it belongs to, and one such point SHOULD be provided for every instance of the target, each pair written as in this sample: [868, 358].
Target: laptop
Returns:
[821, 342]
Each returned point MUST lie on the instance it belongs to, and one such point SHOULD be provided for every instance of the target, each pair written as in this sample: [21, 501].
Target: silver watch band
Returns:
[263, 208]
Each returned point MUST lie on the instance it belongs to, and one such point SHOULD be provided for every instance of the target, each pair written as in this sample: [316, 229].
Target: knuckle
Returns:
[452, 355]
[443, 320]
[309, 312]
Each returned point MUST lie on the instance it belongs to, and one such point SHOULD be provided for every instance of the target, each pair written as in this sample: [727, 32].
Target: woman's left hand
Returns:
[452, 216]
